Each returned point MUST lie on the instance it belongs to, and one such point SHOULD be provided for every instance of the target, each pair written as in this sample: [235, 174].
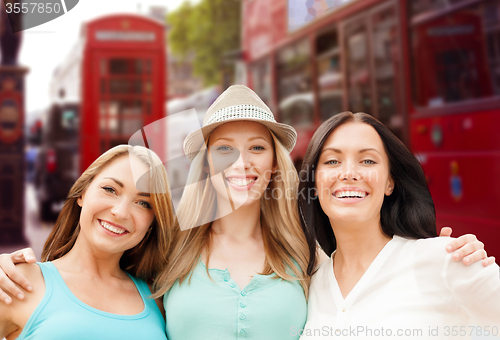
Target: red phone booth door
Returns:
[126, 96]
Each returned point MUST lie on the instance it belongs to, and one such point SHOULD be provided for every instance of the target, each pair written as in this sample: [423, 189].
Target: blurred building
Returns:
[181, 80]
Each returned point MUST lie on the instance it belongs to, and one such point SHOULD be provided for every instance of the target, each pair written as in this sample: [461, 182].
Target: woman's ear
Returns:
[390, 186]
[79, 201]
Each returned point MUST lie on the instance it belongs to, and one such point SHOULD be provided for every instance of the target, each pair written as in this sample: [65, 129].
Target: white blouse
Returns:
[412, 290]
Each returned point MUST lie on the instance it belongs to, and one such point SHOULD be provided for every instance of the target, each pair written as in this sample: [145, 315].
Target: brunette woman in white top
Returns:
[370, 208]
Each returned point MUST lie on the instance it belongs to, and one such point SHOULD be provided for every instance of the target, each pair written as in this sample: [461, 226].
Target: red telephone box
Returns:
[123, 82]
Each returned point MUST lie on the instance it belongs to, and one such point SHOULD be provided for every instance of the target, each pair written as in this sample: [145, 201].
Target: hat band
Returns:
[241, 112]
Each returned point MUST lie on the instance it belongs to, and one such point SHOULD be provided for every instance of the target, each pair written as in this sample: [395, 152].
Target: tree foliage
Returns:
[208, 30]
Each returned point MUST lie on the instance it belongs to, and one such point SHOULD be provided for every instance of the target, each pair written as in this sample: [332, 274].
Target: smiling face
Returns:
[250, 147]
[353, 174]
[115, 216]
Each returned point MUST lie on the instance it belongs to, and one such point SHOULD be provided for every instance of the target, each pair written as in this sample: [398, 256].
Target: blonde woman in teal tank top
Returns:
[109, 239]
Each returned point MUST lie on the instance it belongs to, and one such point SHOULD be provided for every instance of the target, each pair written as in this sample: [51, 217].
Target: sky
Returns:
[45, 46]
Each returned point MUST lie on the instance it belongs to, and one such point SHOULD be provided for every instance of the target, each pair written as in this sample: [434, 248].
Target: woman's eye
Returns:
[223, 148]
[109, 189]
[332, 162]
[258, 148]
[145, 204]
[369, 161]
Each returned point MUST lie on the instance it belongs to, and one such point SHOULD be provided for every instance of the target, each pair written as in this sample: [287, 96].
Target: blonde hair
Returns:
[147, 258]
[284, 241]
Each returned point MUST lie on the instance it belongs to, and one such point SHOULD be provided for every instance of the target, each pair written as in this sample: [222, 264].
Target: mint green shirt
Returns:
[204, 308]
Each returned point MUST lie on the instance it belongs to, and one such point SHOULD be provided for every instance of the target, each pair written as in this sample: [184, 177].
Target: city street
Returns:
[36, 232]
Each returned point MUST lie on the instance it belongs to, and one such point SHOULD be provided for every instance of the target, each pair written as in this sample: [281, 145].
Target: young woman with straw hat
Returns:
[238, 266]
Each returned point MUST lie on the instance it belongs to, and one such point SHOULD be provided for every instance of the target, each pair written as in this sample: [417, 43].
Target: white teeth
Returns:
[350, 194]
[111, 228]
[241, 183]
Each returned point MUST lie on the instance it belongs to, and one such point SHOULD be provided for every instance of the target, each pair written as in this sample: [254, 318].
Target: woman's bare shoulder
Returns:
[15, 315]
[23, 309]
[30, 271]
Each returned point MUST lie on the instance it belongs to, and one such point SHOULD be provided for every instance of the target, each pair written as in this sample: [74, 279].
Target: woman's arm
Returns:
[13, 317]
[7, 326]
[477, 289]
[9, 274]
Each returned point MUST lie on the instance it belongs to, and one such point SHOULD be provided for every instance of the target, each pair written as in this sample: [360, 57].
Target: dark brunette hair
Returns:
[407, 212]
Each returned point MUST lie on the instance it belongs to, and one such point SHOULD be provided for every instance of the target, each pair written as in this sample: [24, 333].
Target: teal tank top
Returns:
[60, 315]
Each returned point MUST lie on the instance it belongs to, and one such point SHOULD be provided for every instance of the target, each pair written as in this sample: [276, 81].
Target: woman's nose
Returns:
[121, 209]
[349, 172]
[243, 161]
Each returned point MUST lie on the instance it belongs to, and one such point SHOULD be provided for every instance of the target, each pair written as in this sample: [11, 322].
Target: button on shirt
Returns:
[216, 308]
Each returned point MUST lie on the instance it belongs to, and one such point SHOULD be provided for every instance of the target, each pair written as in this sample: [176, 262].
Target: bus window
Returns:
[386, 68]
[69, 120]
[456, 55]
[294, 84]
[262, 81]
[358, 67]
[297, 110]
[425, 6]
[61, 123]
[373, 66]
[329, 74]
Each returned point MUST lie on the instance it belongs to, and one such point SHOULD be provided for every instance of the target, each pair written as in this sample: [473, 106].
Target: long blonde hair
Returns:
[284, 241]
[147, 258]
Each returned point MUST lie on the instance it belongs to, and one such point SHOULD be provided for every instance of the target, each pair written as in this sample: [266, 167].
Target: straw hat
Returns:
[237, 103]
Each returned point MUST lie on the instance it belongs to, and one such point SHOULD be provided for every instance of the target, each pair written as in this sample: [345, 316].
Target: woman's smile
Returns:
[241, 183]
[112, 228]
[350, 195]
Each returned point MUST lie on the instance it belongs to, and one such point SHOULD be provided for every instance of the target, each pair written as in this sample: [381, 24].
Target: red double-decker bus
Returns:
[429, 70]
[110, 86]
